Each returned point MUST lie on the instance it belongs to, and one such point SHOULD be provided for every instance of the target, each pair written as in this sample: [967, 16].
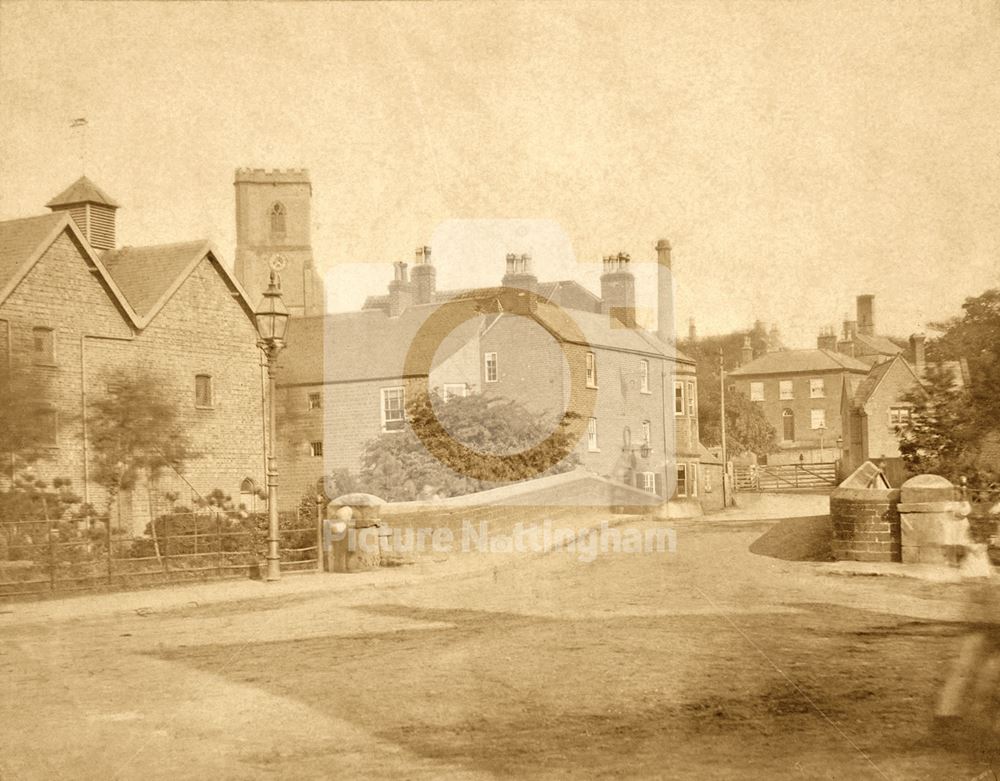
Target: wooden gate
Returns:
[786, 477]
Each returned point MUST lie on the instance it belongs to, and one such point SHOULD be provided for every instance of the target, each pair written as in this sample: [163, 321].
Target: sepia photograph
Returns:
[500, 390]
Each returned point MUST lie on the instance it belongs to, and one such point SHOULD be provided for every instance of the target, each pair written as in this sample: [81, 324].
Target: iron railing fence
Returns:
[47, 557]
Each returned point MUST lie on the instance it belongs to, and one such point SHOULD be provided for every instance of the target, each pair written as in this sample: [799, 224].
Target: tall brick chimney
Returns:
[618, 289]
[518, 273]
[746, 354]
[424, 277]
[664, 293]
[400, 290]
[919, 352]
[692, 330]
[866, 315]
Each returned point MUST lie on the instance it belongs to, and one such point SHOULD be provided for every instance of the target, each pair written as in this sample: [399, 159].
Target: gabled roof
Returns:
[875, 376]
[82, 191]
[791, 361]
[24, 241]
[20, 243]
[149, 276]
[878, 344]
[359, 346]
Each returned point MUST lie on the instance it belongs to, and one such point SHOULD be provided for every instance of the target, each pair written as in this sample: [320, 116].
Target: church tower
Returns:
[273, 232]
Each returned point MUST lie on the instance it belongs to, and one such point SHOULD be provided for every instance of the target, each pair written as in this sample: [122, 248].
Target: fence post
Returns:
[319, 532]
[52, 557]
[110, 552]
[218, 537]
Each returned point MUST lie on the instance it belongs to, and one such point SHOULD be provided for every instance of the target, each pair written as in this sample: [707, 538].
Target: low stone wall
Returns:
[866, 525]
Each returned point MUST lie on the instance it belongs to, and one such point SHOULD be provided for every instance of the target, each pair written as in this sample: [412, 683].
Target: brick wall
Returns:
[60, 293]
[866, 525]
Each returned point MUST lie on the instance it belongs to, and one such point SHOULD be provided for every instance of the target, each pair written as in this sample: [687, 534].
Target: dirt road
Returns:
[709, 662]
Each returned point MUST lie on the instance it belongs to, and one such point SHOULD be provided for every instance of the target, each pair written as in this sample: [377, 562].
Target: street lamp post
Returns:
[272, 320]
[822, 432]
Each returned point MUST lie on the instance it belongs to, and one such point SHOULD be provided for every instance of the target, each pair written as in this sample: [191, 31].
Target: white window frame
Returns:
[692, 400]
[647, 433]
[316, 449]
[649, 482]
[383, 398]
[681, 468]
[900, 421]
[592, 442]
[817, 388]
[314, 400]
[756, 391]
[644, 376]
[679, 405]
[692, 476]
[814, 423]
[211, 392]
[786, 390]
[451, 390]
[490, 362]
[591, 370]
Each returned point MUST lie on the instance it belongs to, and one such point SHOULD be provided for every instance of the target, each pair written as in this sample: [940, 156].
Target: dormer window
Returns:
[278, 219]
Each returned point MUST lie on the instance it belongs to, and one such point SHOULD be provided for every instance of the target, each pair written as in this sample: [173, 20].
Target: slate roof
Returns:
[878, 344]
[145, 274]
[868, 385]
[546, 290]
[358, 346]
[82, 191]
[598, 330]
[790, 361]
[20, 241]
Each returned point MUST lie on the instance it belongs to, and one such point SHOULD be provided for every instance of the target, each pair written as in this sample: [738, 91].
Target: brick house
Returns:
[75, 307]
[801, 394]
[538, 343]
[872, 411]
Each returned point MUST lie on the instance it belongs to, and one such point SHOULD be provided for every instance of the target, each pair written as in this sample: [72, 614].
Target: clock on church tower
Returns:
[273, 233]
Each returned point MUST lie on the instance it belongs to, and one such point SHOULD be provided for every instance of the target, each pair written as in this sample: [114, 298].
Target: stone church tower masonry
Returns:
[273, 232]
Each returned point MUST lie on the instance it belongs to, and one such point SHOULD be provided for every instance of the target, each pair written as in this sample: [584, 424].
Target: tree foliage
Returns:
[747, 428]
[949, 423]
[397, 467]
[23, 392]
[135, 430]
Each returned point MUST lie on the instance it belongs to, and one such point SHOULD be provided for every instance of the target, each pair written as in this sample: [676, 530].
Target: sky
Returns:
[794, 154]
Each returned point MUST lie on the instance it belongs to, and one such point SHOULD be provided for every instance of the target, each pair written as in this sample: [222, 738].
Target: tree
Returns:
[398, 467]
[747, 429]
[135, 432]
[948, 423]
[24, 418]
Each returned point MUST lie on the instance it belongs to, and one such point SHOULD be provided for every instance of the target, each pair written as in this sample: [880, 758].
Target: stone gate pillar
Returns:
[932, 529]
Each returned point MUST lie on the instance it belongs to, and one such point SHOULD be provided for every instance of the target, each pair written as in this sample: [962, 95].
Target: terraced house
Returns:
[74, 308]
[552, 346]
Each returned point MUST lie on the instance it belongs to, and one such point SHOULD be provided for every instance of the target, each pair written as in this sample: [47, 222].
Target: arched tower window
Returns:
[278, 219]
[787, 425]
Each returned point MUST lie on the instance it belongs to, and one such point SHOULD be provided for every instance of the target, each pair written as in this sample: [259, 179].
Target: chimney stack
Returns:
[692, 331]
[424, 277]
[519, 274]
[919, 353]
[746, 354]
[664, 293]
[827, 340]
[400, 290]
[866, 315]
[618, 289]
